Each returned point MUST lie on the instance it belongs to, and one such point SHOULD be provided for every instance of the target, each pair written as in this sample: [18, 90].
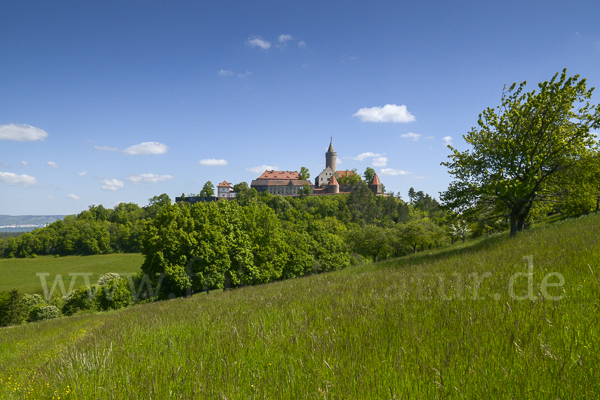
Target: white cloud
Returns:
[52, 164]
[17, 180]
[387, 113]
[362, 156]
[5, 165]
[257, 41]
[380, 161]
[302, 44]
[73, 197]
[262, 168]
[225, 72]
[411, 135]
[285, 38]
[212, 162]
[82, 173]
[24, 163]
[245, 75]
[50, 197]
[105, 148]
[152, 178]
[22, 133]
[147, 148]
[429, 137]
[393, 172]
[112, 184]
[447, 140]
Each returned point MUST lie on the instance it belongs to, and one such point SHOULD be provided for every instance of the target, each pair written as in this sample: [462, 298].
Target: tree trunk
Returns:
[598, 204]
[513, 225]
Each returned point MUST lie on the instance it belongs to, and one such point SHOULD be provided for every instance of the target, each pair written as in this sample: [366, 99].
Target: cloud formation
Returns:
[262, 168]
[410, 135]
[52, 164]
[447, 140]
[225, 72]
[152, 178]
[24, 163]
[257, 41]
[112, 184]
[302, 44]
[147, 148]
[378, 159]
[17, 180]
[22, 133]
[394, 172]
[212, 162]
[82, 173]
[387, 113]
[73, 197]
[284, 38]
[106, 148]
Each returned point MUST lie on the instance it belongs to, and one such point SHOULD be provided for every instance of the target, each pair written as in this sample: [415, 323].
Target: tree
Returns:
[241, 187]
[521, 146]
[369, 175]
[208, 190]
[348, 178]
[304, 174]
[305, 191]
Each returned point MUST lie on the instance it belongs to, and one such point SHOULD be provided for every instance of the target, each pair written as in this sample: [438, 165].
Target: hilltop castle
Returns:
[288, 183]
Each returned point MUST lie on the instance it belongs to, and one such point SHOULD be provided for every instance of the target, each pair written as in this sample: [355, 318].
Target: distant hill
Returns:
[25, 223]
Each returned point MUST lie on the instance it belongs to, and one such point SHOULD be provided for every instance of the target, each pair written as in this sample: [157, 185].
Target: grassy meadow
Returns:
[20, 273]
[442, 324]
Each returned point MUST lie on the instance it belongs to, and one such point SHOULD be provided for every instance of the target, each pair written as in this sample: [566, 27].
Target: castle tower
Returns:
[333, 186]
[376, 186]
[331, 157]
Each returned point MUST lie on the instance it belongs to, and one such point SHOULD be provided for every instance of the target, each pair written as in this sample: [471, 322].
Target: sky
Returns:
[107, 101]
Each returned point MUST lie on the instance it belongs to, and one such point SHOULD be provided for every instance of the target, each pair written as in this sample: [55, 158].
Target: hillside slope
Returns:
[417, 327]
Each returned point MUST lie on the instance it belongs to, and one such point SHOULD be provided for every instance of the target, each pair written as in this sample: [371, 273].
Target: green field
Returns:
[20, 273]
[425, 326]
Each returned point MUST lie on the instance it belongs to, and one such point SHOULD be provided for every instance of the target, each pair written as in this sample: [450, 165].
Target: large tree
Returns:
[521, 146]
[304, 174]
[208, 190]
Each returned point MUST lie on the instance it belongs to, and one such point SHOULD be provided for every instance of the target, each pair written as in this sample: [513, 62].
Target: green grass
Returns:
[20, 273]
[378, 331]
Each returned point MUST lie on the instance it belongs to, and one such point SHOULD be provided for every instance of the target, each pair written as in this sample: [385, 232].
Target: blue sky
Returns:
[110, 101]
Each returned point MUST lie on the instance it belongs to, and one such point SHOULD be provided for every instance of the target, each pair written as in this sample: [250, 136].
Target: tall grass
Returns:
[387, 330]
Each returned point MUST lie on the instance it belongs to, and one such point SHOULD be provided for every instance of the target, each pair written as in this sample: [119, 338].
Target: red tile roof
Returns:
[279, 175]
[224, 184]
[376, 180]
[344, 173]
[333, 181]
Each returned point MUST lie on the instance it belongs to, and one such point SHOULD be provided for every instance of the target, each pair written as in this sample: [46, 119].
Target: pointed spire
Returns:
[333, 181]
[376, 180]
[331, 150]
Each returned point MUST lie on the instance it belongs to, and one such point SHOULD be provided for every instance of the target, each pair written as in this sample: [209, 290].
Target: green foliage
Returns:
[208, 190]
[304, 174]
[424, 326]
[369, 174]
[348, 178]
[42, 313]
[114, 294]
[13, 310]
[519, 150]
[82, 299]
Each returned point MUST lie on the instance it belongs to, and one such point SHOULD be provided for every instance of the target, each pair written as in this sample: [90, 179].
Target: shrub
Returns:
[114, 294]
[41, 313]
[81, 299]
